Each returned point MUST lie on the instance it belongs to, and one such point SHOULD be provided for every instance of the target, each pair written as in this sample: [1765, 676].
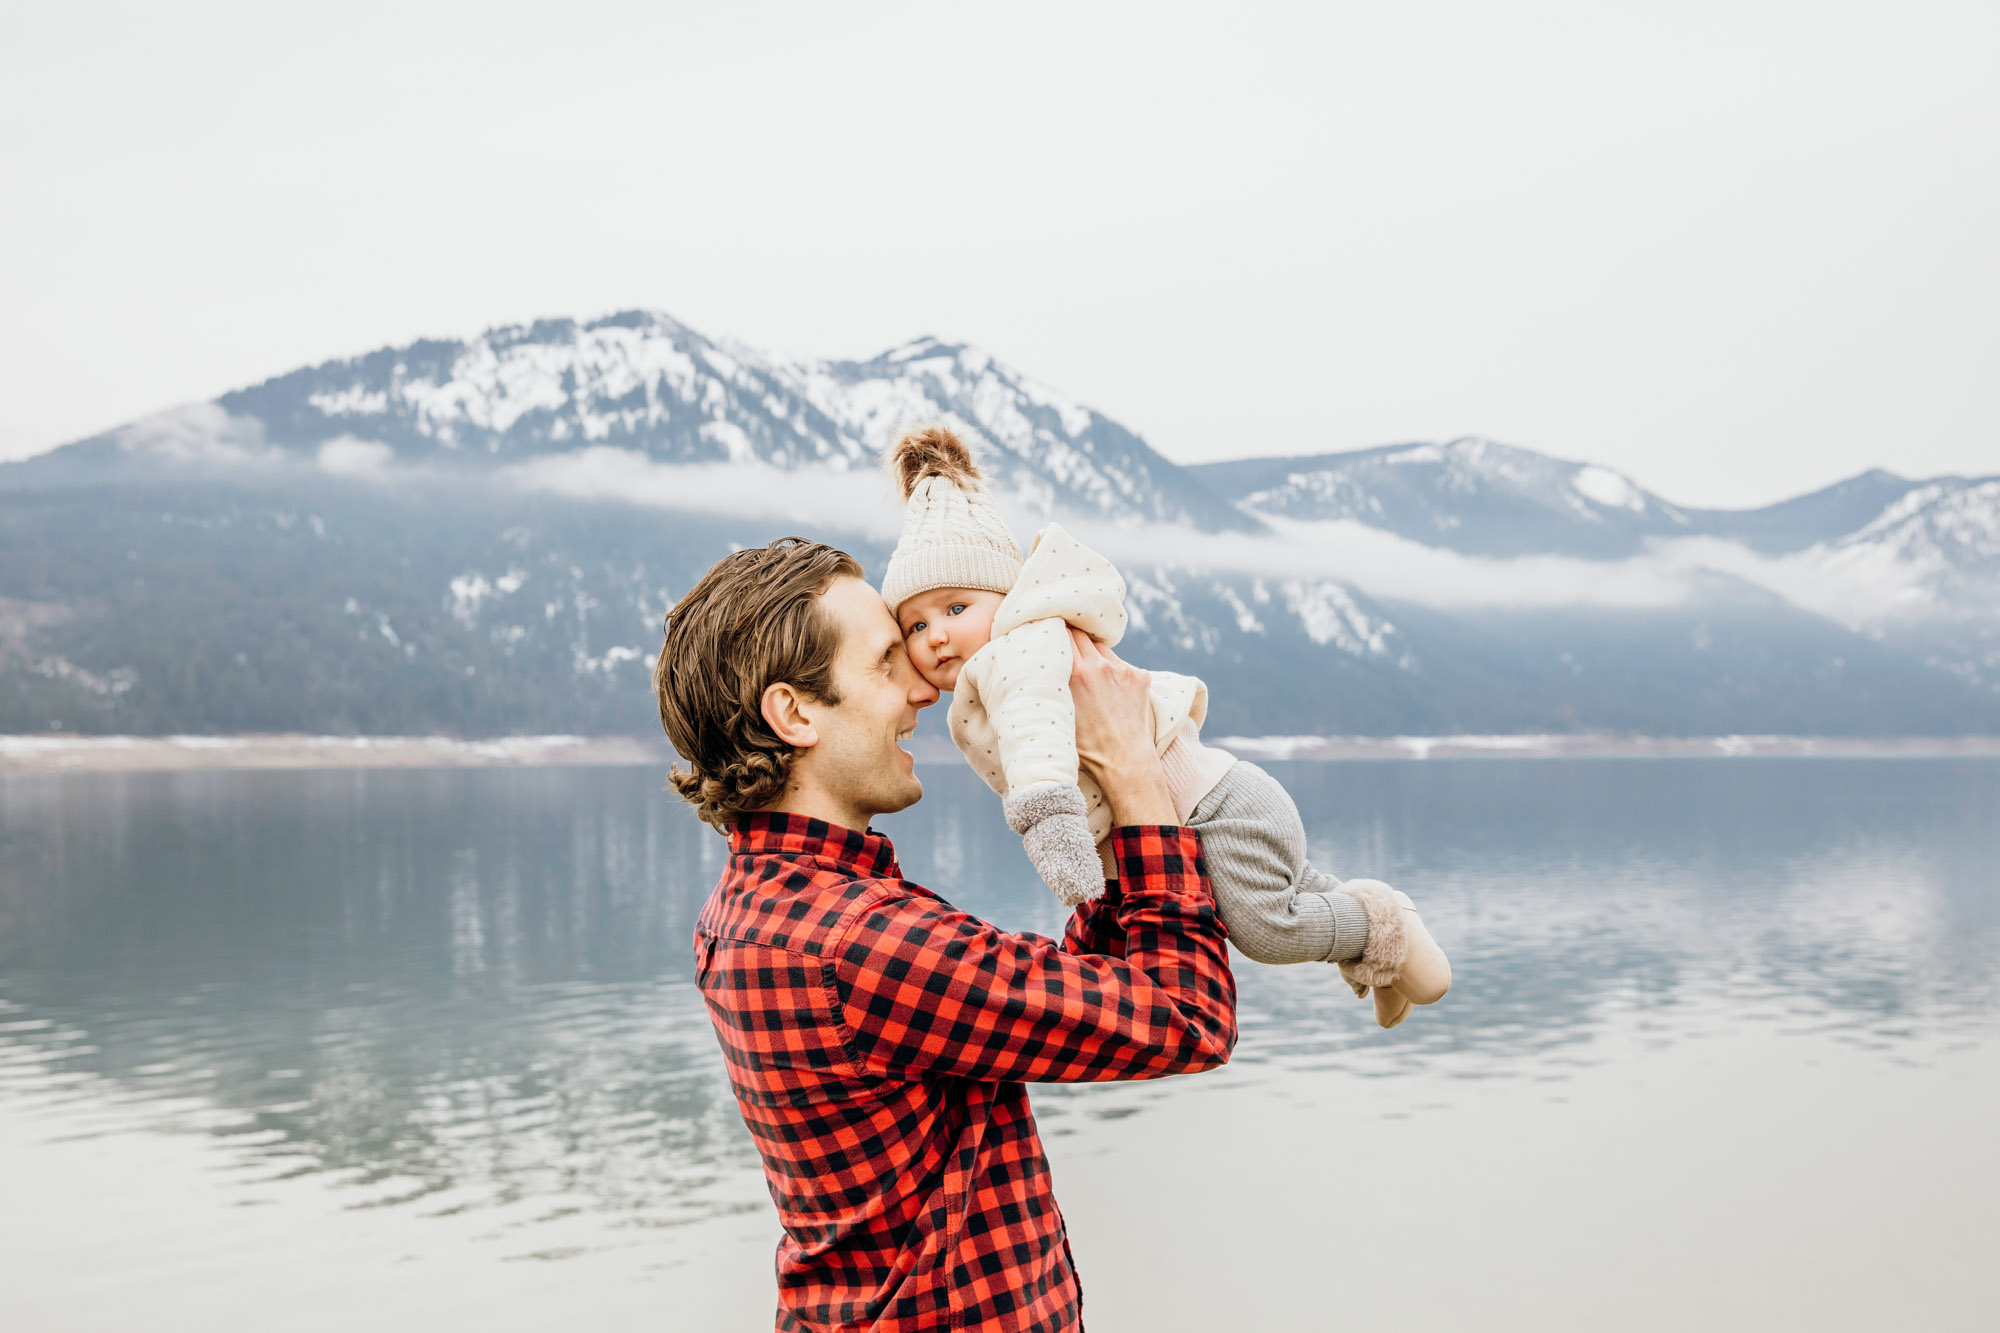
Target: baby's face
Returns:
[945, 626]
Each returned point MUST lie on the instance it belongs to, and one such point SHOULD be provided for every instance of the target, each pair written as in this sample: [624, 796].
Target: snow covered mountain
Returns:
[1469, 495]
[643, 382]
[1485, 498]
[1946, 533]
[398, 542]
[1807, 520]
[1877, 552]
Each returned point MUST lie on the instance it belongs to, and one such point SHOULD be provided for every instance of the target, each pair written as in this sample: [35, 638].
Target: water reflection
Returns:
[453, 991]
[1863, 894]
[446, 989]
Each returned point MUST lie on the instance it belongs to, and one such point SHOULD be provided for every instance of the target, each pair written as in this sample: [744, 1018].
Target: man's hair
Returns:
[754, 620]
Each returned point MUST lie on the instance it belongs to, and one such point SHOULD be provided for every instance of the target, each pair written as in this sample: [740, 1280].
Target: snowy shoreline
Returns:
[116, 754]
[1605, 746]
[54, 753]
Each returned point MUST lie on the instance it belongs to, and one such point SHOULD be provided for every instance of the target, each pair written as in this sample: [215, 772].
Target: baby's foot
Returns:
[1426, 973]
[1391, 1006]
[1401, 964]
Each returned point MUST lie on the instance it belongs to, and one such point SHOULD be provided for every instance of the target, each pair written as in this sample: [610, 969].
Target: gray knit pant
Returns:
[1278, 906]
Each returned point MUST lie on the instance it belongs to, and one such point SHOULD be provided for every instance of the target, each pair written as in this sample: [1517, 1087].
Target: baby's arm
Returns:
[1023, 682]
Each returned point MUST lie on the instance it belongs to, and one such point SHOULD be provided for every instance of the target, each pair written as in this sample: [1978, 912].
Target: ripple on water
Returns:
[469, 993]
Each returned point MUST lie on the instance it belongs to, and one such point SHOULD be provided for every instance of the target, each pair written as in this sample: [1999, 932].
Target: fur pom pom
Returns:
[931, 451]
[1388, 947]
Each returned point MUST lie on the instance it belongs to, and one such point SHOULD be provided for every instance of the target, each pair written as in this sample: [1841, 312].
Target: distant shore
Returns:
[1600, 746]
[131, 754]
[64, 753]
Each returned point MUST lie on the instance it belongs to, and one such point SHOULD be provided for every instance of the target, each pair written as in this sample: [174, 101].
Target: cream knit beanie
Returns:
[952, 533]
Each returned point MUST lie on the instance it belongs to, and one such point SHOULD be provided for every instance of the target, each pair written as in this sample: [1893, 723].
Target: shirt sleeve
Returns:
[928, 990]
[1094, 926]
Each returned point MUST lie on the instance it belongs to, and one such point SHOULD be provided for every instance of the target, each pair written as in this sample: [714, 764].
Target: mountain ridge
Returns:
[644, 382]
[297, 411]
[400, 540]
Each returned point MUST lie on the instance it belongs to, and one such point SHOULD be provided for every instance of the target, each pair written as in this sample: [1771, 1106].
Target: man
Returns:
[877, 1039]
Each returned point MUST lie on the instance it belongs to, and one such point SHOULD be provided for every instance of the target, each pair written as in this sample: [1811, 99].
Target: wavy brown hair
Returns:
[753, 620]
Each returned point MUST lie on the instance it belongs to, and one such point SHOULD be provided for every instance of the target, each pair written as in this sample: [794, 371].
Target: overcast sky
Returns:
[1737, 250]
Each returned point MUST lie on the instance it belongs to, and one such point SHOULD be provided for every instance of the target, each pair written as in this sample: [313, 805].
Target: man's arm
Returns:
[926, 990]
[1114, 740]
[1094, 926]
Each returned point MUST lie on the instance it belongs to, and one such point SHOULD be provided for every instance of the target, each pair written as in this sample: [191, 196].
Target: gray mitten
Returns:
[1052, 821]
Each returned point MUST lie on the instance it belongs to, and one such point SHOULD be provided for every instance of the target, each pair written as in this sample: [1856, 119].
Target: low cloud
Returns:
[1392, 568]
[349, 457]
[197, 433]
[814, 498]
[1856, 587]
[1378, 563]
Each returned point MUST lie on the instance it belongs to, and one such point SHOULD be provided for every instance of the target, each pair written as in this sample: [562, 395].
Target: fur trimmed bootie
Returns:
[1401, 964]
[1426, 974]
[1053, 822]
[1391, 1007]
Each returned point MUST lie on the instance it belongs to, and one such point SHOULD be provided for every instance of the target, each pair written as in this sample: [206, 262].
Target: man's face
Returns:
[856, 759]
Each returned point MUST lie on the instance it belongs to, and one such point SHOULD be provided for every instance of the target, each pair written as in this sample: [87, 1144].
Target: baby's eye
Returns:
[956, 607]
[915, 629]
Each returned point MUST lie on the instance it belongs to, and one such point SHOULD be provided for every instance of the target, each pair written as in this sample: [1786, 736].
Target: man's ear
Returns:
[784, 713]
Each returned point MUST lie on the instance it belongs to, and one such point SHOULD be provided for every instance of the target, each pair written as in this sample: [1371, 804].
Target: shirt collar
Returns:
[861, 855]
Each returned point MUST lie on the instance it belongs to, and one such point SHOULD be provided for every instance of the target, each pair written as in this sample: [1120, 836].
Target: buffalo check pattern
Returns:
[878, 1042]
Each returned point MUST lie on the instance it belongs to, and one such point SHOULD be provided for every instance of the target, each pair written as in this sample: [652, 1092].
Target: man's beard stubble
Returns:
[880, 788]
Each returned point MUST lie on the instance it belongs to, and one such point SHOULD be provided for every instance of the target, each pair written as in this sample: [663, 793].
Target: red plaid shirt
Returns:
[878, 1040]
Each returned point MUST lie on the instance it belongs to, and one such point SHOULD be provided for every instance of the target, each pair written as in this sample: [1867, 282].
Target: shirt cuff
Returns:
[1160, 858]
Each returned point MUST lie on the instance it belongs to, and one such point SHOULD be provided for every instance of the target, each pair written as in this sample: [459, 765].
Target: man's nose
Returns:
[922, 693]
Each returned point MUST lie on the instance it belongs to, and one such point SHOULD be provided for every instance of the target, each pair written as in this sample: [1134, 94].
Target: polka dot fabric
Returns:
[1011, 712]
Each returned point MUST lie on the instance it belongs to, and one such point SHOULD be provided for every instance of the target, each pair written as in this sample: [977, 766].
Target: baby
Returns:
[993, 629]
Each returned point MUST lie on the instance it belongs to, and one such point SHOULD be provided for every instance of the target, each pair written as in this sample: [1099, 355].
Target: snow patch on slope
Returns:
[1608, 488]
[1330, 615]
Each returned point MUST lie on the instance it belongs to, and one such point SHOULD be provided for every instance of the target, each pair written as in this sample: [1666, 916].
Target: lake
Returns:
[319, 1050]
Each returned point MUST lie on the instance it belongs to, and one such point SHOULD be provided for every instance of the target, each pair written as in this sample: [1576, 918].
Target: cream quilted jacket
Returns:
[1011, 712]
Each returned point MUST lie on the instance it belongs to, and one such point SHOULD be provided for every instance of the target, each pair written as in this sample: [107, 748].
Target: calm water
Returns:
[291, 1051]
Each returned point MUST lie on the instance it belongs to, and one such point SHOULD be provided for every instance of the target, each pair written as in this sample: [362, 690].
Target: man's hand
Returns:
[1114, 733]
